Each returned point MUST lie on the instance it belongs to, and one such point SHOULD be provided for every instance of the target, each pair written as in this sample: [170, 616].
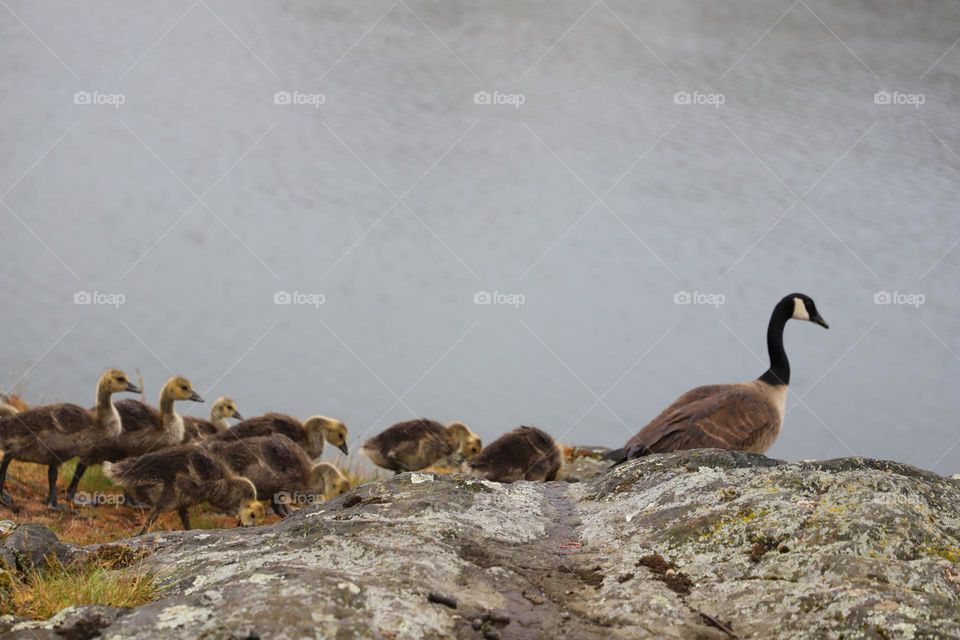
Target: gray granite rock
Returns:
[700, 544]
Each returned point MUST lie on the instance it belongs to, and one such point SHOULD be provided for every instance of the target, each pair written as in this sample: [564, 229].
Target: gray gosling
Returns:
[199, 429]
[144, 429]
[417, 444]
[310, 434]
[526, 453]
[178, 477]
[281, 471]
[53, 434]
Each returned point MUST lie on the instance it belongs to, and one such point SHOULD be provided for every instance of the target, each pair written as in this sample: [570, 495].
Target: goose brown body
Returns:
[526, 453]
[181, 476]
[419, 443]
[309, 434]
[280, 469]
[52, 434]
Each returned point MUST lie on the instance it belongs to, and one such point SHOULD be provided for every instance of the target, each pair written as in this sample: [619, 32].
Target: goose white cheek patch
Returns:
[800, 310]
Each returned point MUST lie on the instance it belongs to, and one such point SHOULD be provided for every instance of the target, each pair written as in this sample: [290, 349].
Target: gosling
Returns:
[310, 434]
[420, 443]
[52, 434]
[199, 429]
[281, 470]
[144, 429]
[179, 477]
[526, 453]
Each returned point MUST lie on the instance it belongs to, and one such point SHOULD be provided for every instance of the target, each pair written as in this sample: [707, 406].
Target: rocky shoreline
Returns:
[696, 544]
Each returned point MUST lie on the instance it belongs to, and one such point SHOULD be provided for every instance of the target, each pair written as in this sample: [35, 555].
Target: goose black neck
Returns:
[779, 371]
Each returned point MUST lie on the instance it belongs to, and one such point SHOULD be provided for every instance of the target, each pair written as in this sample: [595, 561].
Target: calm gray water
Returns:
[399, 198]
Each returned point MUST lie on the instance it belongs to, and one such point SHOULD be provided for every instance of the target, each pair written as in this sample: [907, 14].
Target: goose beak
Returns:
[196, 397]
[818, 319]
[345, 449]
[132, 388]
[236, 414]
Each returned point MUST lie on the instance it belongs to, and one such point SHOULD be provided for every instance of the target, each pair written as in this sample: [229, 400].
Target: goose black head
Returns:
[804, 308]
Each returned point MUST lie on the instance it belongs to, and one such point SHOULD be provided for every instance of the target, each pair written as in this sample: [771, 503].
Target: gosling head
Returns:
[224, 407]
[328, 481]
[179, 388]
[250, 512]
[802, 307]
[470, 443]
[115, 381]
[330, 429]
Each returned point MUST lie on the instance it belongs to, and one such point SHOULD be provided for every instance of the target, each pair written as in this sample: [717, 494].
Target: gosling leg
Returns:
[5, 498]
[52, 471]
[75, 482]
[184, 514]
[151, 518]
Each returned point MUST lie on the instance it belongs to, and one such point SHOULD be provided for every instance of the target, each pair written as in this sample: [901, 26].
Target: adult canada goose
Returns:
[181, 476]
[144, 429]
[53, 434]
[281, 470]
[310, 434]
[200, 429]
[417, 444]
[526, 453]
[746, 416]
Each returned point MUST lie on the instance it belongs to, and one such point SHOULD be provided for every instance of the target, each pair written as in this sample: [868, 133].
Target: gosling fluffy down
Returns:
[310, 434]
[418, 444]
[526, 453]
[179, 477]
[281, 470]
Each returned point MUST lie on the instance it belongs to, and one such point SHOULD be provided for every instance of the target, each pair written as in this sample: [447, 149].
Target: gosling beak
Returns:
[344, 448]
[818, 319]
[236, 414]
[196, 397]
[132, 388]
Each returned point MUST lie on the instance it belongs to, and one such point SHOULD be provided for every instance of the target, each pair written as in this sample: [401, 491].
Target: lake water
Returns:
[378, 183]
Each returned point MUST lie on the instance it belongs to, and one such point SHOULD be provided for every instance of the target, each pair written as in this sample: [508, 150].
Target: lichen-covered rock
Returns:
[700, 544]
[33, 547]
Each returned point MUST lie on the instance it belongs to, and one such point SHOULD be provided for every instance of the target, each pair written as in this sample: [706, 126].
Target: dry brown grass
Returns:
[97, 580]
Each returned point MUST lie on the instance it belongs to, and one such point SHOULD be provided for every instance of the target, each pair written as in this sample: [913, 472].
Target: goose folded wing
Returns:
[731, 420]
[281, 453]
